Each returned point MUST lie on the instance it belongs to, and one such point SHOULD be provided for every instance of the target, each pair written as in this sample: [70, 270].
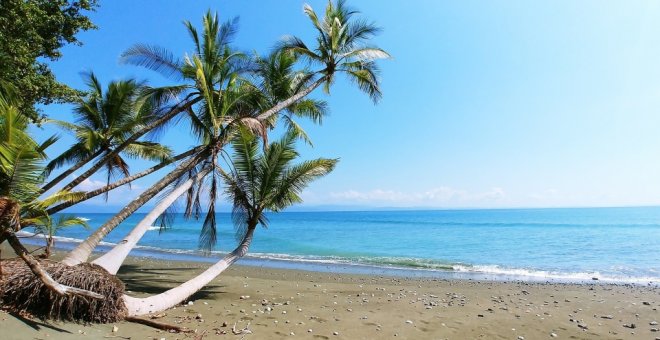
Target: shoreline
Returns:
[322, 265]
[285, 304]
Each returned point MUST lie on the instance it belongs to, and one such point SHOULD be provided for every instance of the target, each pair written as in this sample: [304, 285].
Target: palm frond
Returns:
[154, 58]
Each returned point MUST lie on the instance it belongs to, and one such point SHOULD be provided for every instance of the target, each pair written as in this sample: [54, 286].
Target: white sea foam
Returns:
[553, 275]
[406, 264]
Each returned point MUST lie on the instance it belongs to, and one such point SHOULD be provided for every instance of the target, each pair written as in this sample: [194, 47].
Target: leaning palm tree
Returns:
[341, 48]
[104, 119]
[256, 183]
[237, 106]
[213, 125]
[213, 66]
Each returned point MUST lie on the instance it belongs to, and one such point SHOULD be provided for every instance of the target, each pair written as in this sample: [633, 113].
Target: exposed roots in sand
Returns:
[21, 291]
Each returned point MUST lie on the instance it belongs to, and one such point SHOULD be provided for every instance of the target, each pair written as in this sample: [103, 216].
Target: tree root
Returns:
[158, 325]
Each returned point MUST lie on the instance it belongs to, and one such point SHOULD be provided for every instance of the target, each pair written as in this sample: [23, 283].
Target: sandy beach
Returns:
[274, 304]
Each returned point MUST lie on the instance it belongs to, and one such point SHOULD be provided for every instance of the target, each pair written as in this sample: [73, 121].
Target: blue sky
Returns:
[487, 104]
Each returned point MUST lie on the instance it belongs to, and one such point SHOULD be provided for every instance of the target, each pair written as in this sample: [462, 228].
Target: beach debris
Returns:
[335, 333]
[554, 335]
[653, 323]
[190, 303]
[654, 330]
[630, 325]
[115, 329]
[245, 330]
[158, 325]
[309, 330]
[607, 317]
[646, 303]
[244, 297]
[409, 322]
[520, 337]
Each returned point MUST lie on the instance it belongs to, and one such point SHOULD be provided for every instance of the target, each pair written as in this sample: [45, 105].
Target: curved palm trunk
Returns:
[174, 296]
[83, 250]
[113, 259]
[40, 273]
[125, 180]
[70, 171]
[110, 155]
[291, 100]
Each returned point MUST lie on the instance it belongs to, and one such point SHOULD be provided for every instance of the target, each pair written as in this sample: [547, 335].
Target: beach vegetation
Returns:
[232, 101]
[33, 33]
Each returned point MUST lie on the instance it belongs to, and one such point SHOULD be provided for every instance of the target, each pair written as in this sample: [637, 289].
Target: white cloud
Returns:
[435, 197]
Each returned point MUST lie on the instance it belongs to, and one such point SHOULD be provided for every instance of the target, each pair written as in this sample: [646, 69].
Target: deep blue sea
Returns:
[611, 244]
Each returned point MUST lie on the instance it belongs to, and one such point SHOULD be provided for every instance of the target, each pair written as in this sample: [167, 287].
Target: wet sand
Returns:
[275, 304]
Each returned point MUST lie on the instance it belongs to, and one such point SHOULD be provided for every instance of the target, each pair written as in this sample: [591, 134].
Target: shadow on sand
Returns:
[149, 281]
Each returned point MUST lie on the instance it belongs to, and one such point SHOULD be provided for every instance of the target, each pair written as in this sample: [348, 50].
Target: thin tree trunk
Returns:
[291, 100]
[49, 245]
[125, 180]
[38, 271]
[112, 260]
[174, 296]
[110, 155]
[83, 250]
[71, 170]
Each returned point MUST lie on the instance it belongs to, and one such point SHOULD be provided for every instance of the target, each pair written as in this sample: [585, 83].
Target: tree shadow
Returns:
[152, 281]
[37, 325]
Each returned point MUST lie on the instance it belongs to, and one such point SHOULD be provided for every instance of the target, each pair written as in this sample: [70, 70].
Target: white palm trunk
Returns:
[174, 296]
[112, 260]
[83, 251]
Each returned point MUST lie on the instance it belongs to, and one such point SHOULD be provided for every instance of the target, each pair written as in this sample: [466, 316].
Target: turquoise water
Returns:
[612, 244]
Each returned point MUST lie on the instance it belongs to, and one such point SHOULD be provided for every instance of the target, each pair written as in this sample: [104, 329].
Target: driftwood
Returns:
[158, 325]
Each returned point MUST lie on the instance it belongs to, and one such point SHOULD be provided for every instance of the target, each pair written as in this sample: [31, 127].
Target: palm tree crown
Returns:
[268, 180]
[341, 46]
[104, 119]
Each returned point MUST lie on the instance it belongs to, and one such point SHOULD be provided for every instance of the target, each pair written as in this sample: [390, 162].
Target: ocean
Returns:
[620, 245]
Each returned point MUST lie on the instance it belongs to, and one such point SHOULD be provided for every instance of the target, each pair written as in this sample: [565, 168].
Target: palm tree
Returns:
[213, 66]
[213, 126]
[104, 120]
[49, 227]
[257, 183]
[20, 179]
[239, 103]
[341, 46]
